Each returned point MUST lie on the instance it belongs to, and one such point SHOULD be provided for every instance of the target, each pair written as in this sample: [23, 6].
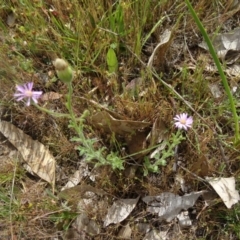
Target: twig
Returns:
[223, 155]
[47, 214]
[11, 200]
[195, 175]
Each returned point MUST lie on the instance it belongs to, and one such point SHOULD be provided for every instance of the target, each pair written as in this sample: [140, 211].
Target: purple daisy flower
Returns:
[182, 121]
[25, 91]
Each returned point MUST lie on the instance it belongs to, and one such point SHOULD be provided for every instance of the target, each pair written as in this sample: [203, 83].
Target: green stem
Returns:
[54, 114]
[70, 109]
[74, 122]
[69, 99]
[220, 69]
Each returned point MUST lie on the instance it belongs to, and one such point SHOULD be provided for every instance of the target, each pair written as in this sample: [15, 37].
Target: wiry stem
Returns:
[220, 70]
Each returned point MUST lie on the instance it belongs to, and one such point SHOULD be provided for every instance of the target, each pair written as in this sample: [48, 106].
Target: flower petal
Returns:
[37, 94]
[20, 88]
[28, 102]
[182, 121]
[25, 91]
[29, 86]
[35, 100]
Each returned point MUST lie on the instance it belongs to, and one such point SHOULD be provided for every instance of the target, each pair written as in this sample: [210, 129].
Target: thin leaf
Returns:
[112, 61]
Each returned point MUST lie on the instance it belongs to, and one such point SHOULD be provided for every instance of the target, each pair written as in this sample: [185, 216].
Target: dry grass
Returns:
[81, 32]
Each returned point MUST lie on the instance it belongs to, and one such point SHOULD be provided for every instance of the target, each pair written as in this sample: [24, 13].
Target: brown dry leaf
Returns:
[209, 197]
[110, 124]
[215, 90]
[125, 232]
[37, 157]
[158, 135]
[156, 235]
[227, 45]
[134, 84]
[233, 70]
[76, 178]
[184, 220]
[85, 200]
[91, 203]
[50, 96]
[120, 210]
[84, 224]
[225, 188]
[168, 205]
[11, 19]
[137, 143]
[74, 194]
[161, 49]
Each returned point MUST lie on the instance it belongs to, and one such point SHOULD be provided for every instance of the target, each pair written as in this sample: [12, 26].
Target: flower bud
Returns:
[64, 71]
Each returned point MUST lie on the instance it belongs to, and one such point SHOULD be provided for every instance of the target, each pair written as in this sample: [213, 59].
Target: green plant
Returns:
[220, 70]
[232, 220]
[160, 159]
[112, 61]
[86, 147]
[116, 20]
[63, 219]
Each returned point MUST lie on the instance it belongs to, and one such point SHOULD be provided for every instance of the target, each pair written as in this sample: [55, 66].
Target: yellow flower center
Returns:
[183, 121]
[28, 93]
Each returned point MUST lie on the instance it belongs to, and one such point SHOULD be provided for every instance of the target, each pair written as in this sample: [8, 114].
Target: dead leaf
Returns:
[77, 177]
[37, 157]
[125, 232]
[160, 50]
[73, 180]
[84, 224]
[11, 18]
[158, 132]
[209, 197]
[168, 205]
[215, 90]
[134, 84]
[227, 45]
[156, 235]
[225, 188]
[184, 220]
[120, 210]
[90, 203]
[137, 143]
[159, 136]
[180, 181]
[233, 70]
[112, 125]
[143, 227]
[50, 96]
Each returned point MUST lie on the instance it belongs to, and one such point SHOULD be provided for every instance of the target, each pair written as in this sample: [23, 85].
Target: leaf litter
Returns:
[227, 45]
[167, 206]
[38, 158]
[226, 189]
[119, 211]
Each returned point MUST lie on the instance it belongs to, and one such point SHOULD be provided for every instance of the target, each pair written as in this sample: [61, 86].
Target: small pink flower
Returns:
[182, 121]
[25, 91]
